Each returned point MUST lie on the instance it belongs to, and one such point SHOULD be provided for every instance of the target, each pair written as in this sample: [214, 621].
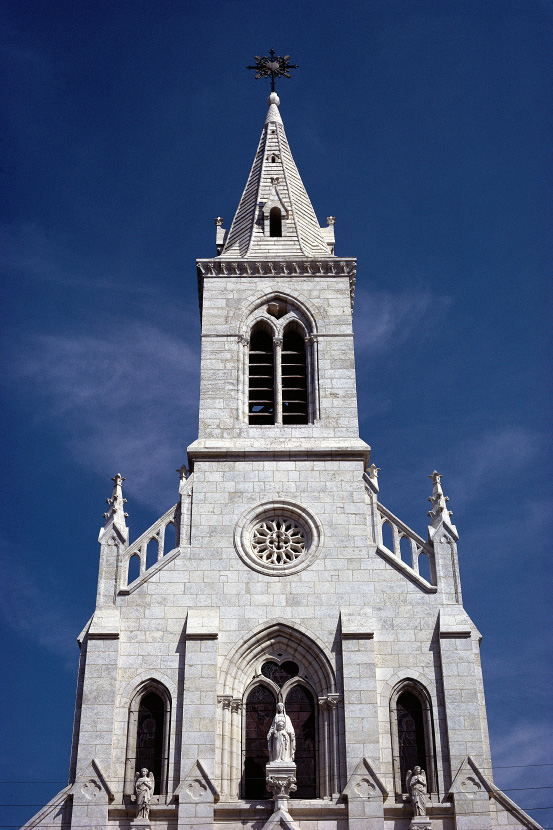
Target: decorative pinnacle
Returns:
[438, 511]
[116, 512]
[219, 222]
[182, 471]
[272, 67]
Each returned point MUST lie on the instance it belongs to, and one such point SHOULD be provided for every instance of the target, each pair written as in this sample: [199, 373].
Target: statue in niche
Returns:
[281, 737]
[416, 784]
[143, 787]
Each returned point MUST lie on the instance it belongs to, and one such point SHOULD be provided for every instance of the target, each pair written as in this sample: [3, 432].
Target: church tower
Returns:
[296, 656]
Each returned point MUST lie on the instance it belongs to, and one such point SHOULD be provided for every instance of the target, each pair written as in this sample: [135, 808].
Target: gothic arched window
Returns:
[279, 372]
[412, 734]
[300, 708]
[261, 377]
[294, 377]
[260, 710]
[275, 222]
[148, 736]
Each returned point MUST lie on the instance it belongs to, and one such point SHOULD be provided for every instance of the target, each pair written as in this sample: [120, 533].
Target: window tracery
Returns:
[281, 368]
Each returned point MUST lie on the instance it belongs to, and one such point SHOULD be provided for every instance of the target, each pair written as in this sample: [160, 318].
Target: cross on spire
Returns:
[272, 67]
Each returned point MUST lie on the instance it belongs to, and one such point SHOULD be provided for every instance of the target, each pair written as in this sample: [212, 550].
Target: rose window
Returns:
[278, 541]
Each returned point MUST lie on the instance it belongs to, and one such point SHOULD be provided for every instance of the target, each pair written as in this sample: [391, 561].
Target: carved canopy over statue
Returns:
[416, 784]
[281, 737]
[143, 787]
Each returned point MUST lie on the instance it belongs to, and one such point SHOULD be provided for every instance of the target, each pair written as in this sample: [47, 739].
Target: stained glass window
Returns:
[300, 708]
[410, 727]
[149, 736]
[279, 674]
[260, 710]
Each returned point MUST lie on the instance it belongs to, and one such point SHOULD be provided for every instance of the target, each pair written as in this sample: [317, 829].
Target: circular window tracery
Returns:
[278, 538]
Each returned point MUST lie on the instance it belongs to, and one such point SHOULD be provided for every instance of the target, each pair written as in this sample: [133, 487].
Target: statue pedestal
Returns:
[281, 781]
[421, 823]
[141, 824]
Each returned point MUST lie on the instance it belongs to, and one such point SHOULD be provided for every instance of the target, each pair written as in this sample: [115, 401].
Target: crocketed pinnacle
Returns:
[116, 514]
[438, 512]
[274, 181]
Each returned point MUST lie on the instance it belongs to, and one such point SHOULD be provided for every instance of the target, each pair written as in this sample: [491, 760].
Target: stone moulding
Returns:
[267, 510]
[294, 267]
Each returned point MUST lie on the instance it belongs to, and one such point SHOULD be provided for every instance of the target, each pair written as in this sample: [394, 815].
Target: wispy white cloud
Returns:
[124, 402]
[392, 319]
[522, 757]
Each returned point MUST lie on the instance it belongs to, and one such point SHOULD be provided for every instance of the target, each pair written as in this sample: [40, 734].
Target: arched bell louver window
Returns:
[294, 377]
[275, 222]
[148, 736]
[261, 377]
[278, 376]
[260, 710]
[412, 734]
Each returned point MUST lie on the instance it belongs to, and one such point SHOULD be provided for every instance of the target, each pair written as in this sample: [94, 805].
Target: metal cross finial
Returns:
[273, 67]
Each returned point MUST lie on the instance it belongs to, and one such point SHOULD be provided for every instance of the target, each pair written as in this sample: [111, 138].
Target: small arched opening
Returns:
[275, 222]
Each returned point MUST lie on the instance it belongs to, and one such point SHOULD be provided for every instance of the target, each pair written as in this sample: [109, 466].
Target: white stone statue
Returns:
[281, 737]
[143, 787]
[416, 784]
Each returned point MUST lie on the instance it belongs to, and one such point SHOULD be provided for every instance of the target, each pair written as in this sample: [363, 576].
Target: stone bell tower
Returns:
[296, 656]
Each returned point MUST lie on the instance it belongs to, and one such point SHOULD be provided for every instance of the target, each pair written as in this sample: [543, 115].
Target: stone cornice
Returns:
[283, 267]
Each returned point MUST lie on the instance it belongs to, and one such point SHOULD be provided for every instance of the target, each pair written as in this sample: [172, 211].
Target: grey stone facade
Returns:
[363, 624]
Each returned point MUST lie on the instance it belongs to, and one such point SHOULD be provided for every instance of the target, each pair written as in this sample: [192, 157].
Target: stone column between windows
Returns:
[277, 347]
[329, 748]
[199, 713]
[360, 697]
[312, 378]
[464, 730]
[361, 714]
[243, 380]
[97, 716]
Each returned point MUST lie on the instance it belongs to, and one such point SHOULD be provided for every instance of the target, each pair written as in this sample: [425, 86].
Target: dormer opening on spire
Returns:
[275, 222]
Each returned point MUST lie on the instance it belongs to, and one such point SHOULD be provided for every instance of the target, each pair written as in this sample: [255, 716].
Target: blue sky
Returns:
[425, 128]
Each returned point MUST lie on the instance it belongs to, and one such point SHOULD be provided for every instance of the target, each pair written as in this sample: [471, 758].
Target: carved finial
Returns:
[373, 472]
[219, 221]
[183, 472]
[438, 512]
[116, 513]
[330, 220]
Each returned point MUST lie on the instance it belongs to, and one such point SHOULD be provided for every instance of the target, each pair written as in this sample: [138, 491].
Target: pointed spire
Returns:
[274, 181]
[438, 512]
[116, 514]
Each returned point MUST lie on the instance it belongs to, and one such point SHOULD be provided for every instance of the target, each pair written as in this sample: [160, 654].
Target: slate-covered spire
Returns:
[115, 516]
[274, 182]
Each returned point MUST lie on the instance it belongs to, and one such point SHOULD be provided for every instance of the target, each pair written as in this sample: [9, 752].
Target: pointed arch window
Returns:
[300, 708]
[260, 710]
[412, 734]
[148, 736]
